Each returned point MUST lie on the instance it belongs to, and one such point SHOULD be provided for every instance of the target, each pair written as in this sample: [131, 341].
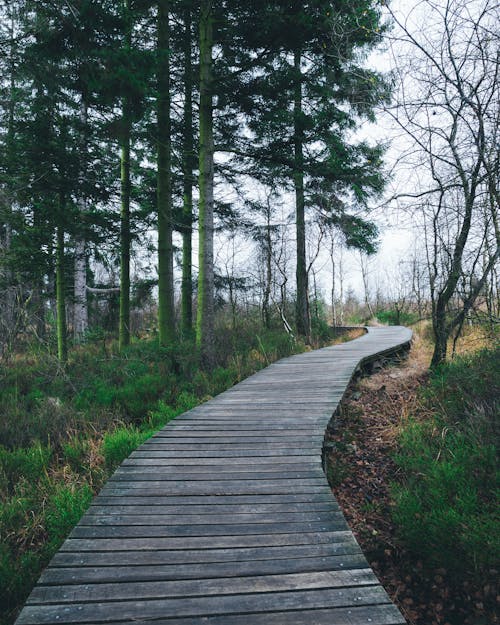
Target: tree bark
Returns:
[205, 311]
[266, 312]
[125, 238]
[166, 318]
[80, 307]
[62, 347]
[302, 317]
[187, 167]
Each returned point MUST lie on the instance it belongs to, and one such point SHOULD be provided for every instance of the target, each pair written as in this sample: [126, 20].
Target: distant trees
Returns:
[450, 109]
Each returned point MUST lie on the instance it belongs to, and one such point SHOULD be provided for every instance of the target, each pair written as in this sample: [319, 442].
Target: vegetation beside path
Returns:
[415, 470]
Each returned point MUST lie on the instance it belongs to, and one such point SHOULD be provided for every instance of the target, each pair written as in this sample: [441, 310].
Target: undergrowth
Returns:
[447, 502]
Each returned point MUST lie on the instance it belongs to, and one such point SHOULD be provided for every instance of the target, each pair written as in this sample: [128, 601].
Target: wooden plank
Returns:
[91, 593]
[123, 556]
[226, 529]
[215, 500]
[167, 451]
[144, 489]
[142, 459]
[173, 466]
[142, 474]
[201, 606]
[255, 518]
[381, 614]
[240, 433]
[229, 509]
[200, 542]
[219, 487]
[165, 572]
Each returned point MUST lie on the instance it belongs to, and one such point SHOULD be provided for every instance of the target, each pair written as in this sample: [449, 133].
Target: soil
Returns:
[361, 470]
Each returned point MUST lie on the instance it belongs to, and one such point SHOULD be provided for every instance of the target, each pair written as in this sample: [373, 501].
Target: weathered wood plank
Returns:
[231, 509]
[141, 474]
[121, 555]
[227, 529]
[215, 500]
[255, 518]
[91, 593]
[382, 614]
[164, 572]
[201, 543]
[202, 606]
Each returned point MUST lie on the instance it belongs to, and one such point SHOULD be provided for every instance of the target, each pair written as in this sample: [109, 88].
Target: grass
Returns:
[447, 502]
[63, 430]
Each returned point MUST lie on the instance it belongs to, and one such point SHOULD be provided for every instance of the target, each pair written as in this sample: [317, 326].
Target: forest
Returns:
[192, 190]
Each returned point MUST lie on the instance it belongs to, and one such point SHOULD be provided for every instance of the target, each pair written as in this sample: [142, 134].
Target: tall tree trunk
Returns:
[205, 311]
[187, 171]
[62, 348]
[125, 238]
[7, 307]
[166, 315]
[80, 306]
[333, 302]
[266, 313]
[441, 333]
[302, 318]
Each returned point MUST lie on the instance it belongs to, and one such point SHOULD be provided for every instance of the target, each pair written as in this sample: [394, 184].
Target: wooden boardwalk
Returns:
[225, 516]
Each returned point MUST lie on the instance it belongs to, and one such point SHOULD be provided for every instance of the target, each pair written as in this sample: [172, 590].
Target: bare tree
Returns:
[364, 264]
[448, 105]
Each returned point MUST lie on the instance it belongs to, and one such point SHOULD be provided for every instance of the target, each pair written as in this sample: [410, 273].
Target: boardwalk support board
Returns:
[225, 516]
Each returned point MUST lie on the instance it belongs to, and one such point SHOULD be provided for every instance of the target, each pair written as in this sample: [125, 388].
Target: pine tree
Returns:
[307, 103]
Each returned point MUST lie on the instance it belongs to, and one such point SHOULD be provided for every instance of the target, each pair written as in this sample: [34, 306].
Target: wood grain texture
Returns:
[225, 517]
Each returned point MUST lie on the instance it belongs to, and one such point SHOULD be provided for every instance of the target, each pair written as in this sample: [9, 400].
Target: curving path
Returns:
[225, 517]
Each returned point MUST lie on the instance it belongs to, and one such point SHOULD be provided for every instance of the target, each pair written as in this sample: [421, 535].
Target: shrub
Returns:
[118, 445]
[75, 452]
[394, 317]
[23, 464]
[65, 508]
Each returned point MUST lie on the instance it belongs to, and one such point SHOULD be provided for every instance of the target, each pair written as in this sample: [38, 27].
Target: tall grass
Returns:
[447, 502]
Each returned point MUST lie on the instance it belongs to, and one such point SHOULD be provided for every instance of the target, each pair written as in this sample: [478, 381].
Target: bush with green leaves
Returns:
[394, 317]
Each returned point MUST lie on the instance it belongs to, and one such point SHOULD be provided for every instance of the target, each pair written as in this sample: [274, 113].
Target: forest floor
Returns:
[361, 471]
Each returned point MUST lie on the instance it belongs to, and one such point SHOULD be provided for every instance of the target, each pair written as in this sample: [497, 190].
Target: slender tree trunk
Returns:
[8, 305]
[38, 297]
[267, 289]
[187, 167]
[366, 288]
[302, 317]
[205, 311]
[80, 306]
[440, 333]
[62, 348]
[166, 316]
[125, 238]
